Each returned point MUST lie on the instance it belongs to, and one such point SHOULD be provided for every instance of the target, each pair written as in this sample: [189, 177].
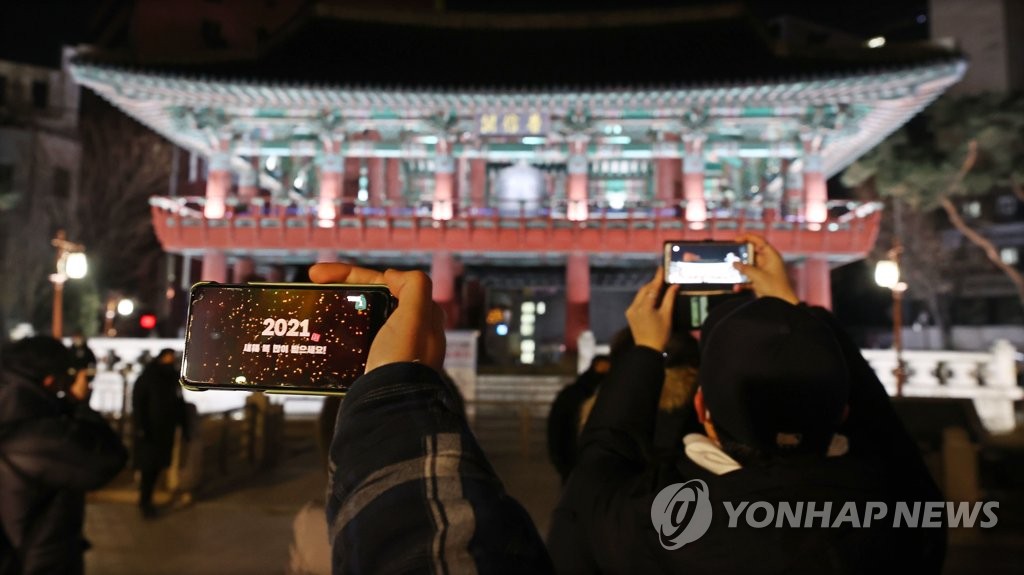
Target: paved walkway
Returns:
[248, 529]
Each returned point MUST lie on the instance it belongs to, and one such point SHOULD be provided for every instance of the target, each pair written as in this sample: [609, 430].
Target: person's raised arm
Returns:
[409, 488]
[767, 274]
[597, 509]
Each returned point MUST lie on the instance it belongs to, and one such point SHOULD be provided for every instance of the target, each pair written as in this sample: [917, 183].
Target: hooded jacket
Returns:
[603, 524]
[51, 452]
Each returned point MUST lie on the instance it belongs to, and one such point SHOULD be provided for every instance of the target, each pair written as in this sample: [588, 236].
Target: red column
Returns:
[478, 183]
[813, 281]
[693, 179]
[243, 268]
[815, 187]
[443, 270]
[667, 170]
[444, 182]
[331, 183]
[218, 182]
[375, 174]
[577, 297]
[393, 181]
[576, 192]
[215, 267]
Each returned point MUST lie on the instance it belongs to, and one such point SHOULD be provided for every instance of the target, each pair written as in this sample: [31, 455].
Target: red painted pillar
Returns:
[443, 270]
[218, 182]
[815, 186]
[243, 268]
[667, 170]
[375, 174]
[576, 192]
[393, 182]
[444, 182]
[478, 183]
[331, 183]
[813, 280]
[693, 179]
[577, 297]
[215, 267]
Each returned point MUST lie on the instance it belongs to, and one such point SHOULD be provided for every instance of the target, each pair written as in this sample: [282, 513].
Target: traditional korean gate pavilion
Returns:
[563, 138]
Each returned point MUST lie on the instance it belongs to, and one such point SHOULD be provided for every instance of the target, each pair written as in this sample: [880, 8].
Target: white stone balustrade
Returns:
[110, 386]
[988, 378]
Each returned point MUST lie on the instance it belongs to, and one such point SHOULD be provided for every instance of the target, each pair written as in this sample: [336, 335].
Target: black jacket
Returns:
[603, 522]
[157, 411]
[410, 490]
[564, 420]
[51, 452]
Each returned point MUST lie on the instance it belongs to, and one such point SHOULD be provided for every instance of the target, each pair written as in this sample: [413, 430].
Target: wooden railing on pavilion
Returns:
[850, 231]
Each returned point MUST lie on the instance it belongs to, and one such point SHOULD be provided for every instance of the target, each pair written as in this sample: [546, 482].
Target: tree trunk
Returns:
[982, 242]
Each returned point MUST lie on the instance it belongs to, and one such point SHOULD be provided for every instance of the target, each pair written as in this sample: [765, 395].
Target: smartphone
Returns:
[705, 267]
[281, 338]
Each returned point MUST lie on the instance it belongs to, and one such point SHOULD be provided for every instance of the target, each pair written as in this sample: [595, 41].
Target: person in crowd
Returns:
[675, 416]
[564, 417]
[409, 488]
[83, 357]
[158, 410]
[791, 413]
[53, 449]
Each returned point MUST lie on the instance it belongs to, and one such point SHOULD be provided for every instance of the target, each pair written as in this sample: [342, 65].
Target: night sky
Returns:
[857, 300]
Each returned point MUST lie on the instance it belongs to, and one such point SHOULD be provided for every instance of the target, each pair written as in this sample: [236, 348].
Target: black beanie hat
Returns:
[36, 357]
[773, 376]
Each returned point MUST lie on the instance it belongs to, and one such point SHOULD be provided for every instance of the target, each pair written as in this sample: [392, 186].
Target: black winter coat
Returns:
[157, 411]
[603, 522]
[51, 452]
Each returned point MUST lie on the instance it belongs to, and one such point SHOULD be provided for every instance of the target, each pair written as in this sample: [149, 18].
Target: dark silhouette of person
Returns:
[83, 358]
[53, 448]
[791, 412]
[158, 409]
[564, 417]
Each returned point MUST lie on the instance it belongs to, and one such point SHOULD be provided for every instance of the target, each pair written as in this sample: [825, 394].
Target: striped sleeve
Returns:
[410, 489]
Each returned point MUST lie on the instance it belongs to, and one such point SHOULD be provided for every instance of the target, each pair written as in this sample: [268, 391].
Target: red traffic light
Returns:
[147, 321]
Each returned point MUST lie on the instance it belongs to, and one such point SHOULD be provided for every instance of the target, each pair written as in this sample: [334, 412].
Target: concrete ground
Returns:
[248, 528]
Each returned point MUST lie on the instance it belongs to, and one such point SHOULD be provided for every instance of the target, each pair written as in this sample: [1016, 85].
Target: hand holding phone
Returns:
[767, 273]
[414, 332]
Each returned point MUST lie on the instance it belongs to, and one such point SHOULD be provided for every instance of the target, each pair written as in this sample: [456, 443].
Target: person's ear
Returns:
[698, 405]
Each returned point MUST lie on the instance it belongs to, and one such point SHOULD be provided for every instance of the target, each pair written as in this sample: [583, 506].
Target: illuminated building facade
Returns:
[567, 146]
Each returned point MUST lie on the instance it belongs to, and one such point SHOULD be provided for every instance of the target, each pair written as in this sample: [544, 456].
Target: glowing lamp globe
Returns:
[887, 274]
[76, 266]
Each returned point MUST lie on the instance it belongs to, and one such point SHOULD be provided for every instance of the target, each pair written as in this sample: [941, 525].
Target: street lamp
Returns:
[71, 264]
[123, 307]
[887, 275]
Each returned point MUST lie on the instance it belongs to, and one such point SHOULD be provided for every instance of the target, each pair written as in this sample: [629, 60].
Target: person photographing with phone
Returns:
[409, 488]
[53, 448]
[791, 412]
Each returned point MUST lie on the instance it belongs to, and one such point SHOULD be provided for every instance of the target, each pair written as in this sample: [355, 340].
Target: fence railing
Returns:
[988, 378]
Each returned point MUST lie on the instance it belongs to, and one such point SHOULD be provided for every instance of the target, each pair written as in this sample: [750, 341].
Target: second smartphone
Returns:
[705, 267]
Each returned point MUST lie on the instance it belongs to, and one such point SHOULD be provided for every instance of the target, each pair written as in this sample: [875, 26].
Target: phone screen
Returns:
[293, 337]
[705, 264]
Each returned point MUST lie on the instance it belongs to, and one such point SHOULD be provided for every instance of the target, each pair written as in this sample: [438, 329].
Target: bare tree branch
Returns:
[991, 252]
